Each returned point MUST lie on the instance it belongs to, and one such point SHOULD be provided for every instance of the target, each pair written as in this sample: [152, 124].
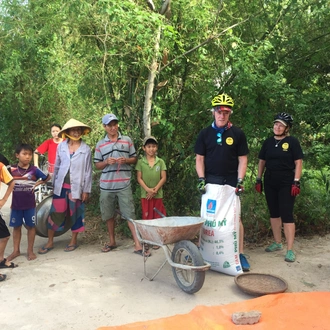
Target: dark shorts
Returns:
[4, 232]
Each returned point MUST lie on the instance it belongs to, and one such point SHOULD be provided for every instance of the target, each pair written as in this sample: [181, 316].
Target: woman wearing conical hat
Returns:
[72, 183]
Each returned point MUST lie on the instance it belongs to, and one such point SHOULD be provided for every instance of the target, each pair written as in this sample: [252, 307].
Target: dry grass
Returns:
[96, 231]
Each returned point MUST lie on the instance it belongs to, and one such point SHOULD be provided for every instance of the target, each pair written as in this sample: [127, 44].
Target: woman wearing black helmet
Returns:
[282, 156]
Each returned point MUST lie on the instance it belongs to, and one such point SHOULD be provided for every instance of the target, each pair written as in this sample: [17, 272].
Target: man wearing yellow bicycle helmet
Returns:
[221, 155]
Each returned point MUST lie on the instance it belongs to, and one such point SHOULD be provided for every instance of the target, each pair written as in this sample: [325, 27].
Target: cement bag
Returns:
[221, 208]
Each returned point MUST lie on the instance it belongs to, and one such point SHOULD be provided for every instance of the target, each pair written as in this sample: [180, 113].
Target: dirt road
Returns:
[86, 289]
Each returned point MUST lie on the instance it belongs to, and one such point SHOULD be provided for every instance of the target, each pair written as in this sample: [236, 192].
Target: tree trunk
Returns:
[150, 88]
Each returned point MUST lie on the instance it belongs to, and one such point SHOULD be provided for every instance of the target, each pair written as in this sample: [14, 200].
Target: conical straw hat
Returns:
[74, 123]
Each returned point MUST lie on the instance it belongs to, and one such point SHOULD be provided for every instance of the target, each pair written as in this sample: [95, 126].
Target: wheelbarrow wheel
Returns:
[187, 253]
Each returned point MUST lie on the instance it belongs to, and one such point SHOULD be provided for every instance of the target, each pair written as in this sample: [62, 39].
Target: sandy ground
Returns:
[87, 289]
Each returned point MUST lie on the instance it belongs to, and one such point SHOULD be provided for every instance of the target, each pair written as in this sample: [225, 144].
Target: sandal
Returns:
[70, 248]
[2, 277]
[155, 247]
[140, 252]
[3, 264]
[44, 250]
[108, 248]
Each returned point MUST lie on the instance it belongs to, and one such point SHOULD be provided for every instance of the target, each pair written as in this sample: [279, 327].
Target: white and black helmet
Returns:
[284, 118]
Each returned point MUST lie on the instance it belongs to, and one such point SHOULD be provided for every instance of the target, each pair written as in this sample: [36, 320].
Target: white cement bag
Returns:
[219, 240]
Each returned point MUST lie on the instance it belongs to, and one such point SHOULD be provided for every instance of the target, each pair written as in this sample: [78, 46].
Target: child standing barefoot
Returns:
[151, 176]
[23, 207]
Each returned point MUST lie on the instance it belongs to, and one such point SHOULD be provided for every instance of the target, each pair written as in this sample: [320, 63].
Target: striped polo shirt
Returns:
[117, 176]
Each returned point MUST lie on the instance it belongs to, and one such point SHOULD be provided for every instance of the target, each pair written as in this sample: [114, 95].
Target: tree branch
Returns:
[203, 43]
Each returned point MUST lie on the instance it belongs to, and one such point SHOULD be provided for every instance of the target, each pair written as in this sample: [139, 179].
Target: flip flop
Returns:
[2, 277]
[140, 252]
[70, 248]
[108, 248]
[3, 264]
[156, 247]
[44, 250]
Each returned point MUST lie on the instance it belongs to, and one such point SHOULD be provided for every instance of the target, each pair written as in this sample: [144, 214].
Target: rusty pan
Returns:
[168, 230]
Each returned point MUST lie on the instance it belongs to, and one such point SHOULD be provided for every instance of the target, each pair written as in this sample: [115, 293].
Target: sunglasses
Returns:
[219, 139]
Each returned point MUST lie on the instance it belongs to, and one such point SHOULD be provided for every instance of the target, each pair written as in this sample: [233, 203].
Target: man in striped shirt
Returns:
[114, 155]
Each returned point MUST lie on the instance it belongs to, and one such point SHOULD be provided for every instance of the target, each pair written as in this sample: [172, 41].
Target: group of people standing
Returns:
[114, 155]
[221, 158]
[70, 168]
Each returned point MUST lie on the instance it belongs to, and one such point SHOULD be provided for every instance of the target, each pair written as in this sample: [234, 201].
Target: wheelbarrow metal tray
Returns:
[169, 230]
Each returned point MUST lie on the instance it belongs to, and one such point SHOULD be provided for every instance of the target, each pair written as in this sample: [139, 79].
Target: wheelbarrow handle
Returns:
[125, 218]
[122, 215]
[160, 213]
[134, 224]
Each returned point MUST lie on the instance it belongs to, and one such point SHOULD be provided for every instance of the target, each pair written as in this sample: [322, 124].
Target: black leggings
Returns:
[278, 194]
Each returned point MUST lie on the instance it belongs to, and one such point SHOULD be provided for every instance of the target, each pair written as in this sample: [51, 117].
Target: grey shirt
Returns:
[79, 165]
[117, 176]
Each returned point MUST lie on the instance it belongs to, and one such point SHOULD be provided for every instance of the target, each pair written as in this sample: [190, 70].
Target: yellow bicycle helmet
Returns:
[223, 99]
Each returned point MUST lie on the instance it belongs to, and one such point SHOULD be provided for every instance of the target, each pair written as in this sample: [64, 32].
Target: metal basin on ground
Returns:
[42, 211]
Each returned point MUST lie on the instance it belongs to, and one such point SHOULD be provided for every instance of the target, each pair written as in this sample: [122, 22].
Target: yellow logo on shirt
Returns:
[285, 146]
[229, 141]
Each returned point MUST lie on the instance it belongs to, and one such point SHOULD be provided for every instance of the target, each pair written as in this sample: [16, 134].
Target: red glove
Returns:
[258, 185]
[295, 188]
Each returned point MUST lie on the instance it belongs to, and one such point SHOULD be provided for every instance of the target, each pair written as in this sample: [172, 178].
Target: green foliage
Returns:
[255, 215]
[313, 205]
[82, 59]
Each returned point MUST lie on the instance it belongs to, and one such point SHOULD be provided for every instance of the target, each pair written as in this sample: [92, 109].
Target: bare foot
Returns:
[31, 256]
[13, 255]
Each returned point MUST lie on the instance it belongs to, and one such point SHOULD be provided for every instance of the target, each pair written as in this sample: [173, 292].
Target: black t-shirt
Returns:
[282, 156]
[221, 160]
[4, 160]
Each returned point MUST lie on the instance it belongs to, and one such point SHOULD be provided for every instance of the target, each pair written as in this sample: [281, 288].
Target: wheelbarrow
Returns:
[187, 263]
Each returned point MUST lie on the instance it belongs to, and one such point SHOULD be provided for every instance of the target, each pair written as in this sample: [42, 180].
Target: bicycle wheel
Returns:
[187, 253]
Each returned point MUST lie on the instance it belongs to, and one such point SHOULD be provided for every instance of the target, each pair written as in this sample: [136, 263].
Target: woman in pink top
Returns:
[49, 146]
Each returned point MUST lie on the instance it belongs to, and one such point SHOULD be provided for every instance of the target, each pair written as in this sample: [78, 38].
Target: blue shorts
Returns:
[18, 217]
